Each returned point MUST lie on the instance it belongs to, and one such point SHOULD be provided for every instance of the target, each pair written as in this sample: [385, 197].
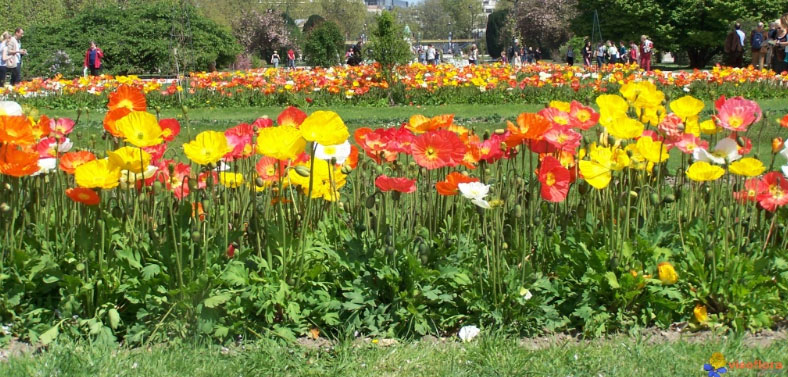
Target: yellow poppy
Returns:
[97, 174]
[653, 151]
[667, 274]
[625, 128]
[748, 167]
[208, 148]
[231, 180]
[686, 107]
[281, 143]
[324, 127]
[140, 129]
[132, 159]
[700, 313]
[702, 171]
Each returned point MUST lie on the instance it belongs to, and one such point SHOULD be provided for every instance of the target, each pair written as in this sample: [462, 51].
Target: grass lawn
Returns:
[491, 356]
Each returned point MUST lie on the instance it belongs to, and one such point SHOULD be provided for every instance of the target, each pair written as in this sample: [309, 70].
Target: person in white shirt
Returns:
[3, 69]
[431, 55]
[16, 74]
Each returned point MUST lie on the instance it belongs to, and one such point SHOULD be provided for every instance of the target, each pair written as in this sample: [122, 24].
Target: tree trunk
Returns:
[699, 57]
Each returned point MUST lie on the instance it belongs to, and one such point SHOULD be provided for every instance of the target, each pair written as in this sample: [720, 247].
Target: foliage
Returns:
[129, 46]
[542, 23]
[439, 17]
[387, 44]
[349, 15]
[696, 27]
[311, 22]
[495, 22]
[262, 33]
[324, 45]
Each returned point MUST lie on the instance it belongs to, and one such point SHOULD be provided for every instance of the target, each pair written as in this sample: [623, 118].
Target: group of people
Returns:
[428, 54]
[11, 59]
[767, 47]
[518, 55]
[291, 58]
[611, 53]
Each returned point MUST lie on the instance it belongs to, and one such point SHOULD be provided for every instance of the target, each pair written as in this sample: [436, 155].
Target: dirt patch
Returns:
[15, 348]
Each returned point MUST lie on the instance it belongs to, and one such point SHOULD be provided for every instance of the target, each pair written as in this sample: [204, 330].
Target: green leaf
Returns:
[150, 271]
[49, 335]
[611, 279]
[214, 301]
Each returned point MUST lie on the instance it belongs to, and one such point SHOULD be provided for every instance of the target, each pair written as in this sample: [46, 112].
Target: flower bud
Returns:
[500, 131]
[777, 145]
[302, 170]
[259, 182]
[346, 169]
[370, 201]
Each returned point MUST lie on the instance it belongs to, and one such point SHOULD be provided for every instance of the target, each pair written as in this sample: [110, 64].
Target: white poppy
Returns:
[784, 152]
[474, 190]
[481, 203]
[45, 165]
[785, 170]
[327, 152]
[726, 149]
[222, 166]
[526, 293]
[467, 333]
[10, 108]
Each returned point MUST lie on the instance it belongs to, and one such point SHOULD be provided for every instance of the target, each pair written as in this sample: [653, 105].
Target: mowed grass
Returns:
[490, 356]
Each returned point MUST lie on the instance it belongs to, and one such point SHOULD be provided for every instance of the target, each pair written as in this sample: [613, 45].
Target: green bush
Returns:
[137, 39]
[495, 24]
[324, 45]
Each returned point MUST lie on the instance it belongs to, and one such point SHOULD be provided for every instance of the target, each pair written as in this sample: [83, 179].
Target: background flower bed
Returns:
[144, 265]
[416, 84]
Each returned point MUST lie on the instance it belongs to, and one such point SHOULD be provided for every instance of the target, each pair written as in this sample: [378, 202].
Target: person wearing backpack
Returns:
[758, 46]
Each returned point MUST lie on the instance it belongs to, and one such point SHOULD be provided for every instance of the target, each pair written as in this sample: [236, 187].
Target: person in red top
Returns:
[290, 58]
[645, 52]
[93, 59]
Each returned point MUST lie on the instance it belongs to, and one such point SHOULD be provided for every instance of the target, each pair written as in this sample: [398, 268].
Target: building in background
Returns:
[379, 5]
[489, 6]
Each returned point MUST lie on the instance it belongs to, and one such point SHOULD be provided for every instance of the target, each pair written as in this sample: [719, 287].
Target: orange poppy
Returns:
[449, 186]
[127, 97]
[43, 128]
[436, 149]
[70, 160]
[83, 195]
[16, 130]
[419, 123]
[111, 119]
[17, 162]
[529, 126]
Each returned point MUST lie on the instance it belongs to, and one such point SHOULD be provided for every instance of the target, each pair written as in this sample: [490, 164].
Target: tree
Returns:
[387, 42]
[495, 24]
[262, 33]
[130, 45]
[697, 27]
[313, 21]
[324, 45]
[543, 23]
[347, 14]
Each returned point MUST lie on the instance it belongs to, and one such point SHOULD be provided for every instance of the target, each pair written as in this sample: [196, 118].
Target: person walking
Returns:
[734, 46]
[587, 52]
[758, 46]
[291, 58]
[634, 53]
[3, 68]
[275, 59]
[473, 55]
[431, 54]
[781, 45]
[93, 58]
[517, 61]
[612, 53]
[646, 49]
[16, 73]
[570, 56]
[601, 51]
[10, 58]
[622, 52]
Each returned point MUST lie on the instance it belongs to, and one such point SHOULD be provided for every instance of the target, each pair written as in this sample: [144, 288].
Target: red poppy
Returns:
[177, 181]
[784, 121]
[63, 127]
[449, 186]
[230, 251]
[127, 97]
[529, 126]
[291, 116]
[70, 160]
[563, 138]
[43, 128]
[239, 138]
[263, 122]
[557, 117]
[555, 180]
[170, 128]
[747, 143]
[352, 159]
[490, 150]
[267, 169]
[584, 116]
[436, 149]
[83, 195]
[772, 191]
[750, 192]
[156, 151]
[400, 184]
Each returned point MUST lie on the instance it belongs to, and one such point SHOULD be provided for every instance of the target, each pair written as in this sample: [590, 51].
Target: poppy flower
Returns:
[16, 130]
[50, 147]
[97, 174]
[670, 126]
[127, 97]
[207, 148]
[726, 150]
[557, 117]
[476, 192]
[10, 108]
[563, 138]
[17, 162]
[71, 160]
[584, 117]
[263, 122]
[291, 116]
[83, 195]
[239, 138]
[42, 128]
[784, 121]
[653, 151]
[266, 169]
[686, 107]
[324, 127]
[140, 129]
[111, 120]
[177, 181]
[436, 149]
[63, 127]
[529, 126]
[401, 184]
[736, 114]
[231, 180]
[748, 167]
[449, 186]
[702, 171]
[555, 180]
[625, 128]
[667, 274]
[281, 143]
[603, 161]
[170, 128]
[688, 142]
[156, 152]
[419, 124]
[777, 145]
[750, 192]
[132, 159]
[339, 153]
[773, 191]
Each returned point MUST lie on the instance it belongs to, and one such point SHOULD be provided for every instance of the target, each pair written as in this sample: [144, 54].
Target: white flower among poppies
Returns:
[526, 293]
[475, 191]
[467, 333]
[339, 152]
[10, 108]
[45, 165]
[785, 170]
[784, 152]
[726, 149]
